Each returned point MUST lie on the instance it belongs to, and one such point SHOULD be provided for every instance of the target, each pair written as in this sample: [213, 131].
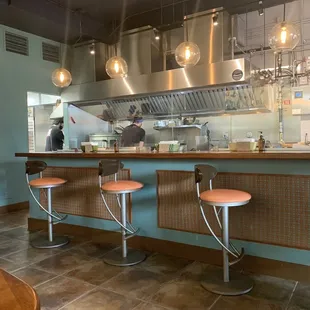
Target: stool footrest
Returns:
[238, 259]
[128, 236]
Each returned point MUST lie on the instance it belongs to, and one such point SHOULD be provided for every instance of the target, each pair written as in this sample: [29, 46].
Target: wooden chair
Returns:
[16, 294]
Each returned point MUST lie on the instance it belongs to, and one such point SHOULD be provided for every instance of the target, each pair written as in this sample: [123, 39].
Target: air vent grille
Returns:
[51, 52]
[16, 44]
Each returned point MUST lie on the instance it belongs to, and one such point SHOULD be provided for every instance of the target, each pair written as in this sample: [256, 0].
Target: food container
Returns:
[160, 124]
[169, 146]
[243, 145]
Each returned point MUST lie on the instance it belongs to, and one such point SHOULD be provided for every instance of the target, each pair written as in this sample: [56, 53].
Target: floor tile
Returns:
[4, 226]
[33, 276]
[95, 272]
[245, 303]
[93, 249]
[183, 294]
[12, 246]
[100, 299]
[4, 238]
[273, 289]
[148, 306]
[74, 242]
[301, 298]
[20, 233]
[20, 217]
[136, 283]
[62, 262]
[9, 266]
[164, 264]
[195, 271]
[31, 255]
[58, 292]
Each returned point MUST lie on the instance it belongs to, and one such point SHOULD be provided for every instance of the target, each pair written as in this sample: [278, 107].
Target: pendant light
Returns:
[116, 66]
[284, 35]
[61, 77]
[187, 54]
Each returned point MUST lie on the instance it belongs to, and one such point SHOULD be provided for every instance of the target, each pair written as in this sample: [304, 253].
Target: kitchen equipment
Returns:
[160, 124]
[169, 146]
[242, 145]
[105, 140]
[171, 123]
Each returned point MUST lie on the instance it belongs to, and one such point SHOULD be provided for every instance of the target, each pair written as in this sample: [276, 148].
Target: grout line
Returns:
[215, 301]
[290, 299]
[72, 301]
[42, 283]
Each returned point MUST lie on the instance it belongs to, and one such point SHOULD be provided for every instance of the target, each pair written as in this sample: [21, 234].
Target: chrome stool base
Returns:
[238, 284]
[42, 242]
[115, 258]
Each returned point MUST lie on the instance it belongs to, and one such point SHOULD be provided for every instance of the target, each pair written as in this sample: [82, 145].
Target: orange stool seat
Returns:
[225, 197]
[47, 182]
[121, 186]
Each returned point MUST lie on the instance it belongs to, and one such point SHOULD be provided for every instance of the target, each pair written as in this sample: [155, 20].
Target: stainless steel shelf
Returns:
[178, 127]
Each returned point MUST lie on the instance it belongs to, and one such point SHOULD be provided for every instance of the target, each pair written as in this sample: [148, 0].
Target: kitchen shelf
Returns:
[178, 127]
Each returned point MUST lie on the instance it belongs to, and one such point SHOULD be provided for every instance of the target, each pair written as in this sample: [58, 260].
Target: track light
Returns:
[157, 34]
[215, 19]
[92, 49]
[261, 9]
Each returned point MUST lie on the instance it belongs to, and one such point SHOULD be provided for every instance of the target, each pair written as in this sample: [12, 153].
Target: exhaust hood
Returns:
[216, 88]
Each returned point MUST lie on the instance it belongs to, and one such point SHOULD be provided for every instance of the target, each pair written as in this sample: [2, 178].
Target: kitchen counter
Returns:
[274, 154]
[274, 225]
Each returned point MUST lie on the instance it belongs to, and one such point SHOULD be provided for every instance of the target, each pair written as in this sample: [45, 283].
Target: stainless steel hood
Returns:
[205, 89]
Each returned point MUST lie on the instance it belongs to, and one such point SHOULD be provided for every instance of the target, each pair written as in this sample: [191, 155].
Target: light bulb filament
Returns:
[283, 35]
[116, 66]
[61, 77]
[187, 53]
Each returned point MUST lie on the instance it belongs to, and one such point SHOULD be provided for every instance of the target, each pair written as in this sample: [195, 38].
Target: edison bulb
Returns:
[116, 67]
[284, 36]
[187, 54]
[61, 77]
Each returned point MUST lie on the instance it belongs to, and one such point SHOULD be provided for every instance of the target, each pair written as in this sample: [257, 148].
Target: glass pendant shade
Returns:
[61, 77]
[284, 36]
[187, 54]
[116, 67]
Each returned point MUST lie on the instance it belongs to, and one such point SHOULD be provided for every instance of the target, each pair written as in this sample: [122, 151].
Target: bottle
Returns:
[116, 148]
[261, 142]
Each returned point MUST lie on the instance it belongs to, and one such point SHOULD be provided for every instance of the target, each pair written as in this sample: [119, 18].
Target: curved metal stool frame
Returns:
[37, 167]
[125, 257]
[224, 284]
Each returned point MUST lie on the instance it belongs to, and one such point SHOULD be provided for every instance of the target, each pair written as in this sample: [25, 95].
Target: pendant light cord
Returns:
[284, 11]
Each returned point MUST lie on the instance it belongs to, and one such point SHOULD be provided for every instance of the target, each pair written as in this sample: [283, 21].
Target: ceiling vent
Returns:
[16, 44]
[51, 52]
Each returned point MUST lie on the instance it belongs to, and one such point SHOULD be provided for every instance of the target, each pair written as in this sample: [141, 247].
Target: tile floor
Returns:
[74, 277]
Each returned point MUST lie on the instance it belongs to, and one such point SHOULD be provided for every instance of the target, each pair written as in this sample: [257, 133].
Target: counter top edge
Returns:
[189, 155]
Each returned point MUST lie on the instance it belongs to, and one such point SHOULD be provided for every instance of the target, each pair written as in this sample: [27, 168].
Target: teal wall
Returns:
[144, 212]
[18, 74]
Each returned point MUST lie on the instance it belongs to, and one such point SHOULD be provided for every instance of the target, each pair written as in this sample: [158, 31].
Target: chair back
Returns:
[109, 166]
[35, 166]
[206, 173]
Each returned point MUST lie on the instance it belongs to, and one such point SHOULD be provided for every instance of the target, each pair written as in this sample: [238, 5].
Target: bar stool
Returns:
[37, 167]
[222, 282]
[121, 256]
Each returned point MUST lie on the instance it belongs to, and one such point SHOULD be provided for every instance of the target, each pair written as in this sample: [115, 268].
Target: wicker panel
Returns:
[81, 195]
[277, 214]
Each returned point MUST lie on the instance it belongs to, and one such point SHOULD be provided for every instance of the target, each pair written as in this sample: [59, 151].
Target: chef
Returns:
[55, 136]
[134, 135]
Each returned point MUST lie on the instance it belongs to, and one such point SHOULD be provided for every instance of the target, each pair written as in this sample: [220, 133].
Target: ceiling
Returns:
[65, 20]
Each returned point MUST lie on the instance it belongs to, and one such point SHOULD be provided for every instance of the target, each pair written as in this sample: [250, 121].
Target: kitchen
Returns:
[243, 111]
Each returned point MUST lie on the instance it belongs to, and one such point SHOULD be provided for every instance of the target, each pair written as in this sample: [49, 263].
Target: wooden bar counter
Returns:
[274, 227]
